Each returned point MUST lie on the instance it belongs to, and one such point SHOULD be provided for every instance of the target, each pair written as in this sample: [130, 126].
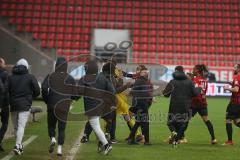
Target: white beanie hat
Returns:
[23, 62]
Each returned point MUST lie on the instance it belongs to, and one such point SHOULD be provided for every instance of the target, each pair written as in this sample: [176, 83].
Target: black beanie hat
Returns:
[61, 64]
[91, 67]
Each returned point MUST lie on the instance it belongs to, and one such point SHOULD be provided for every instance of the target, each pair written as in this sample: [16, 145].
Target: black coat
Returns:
[52, 97]
[98, 93]
[142, 91]
[182, 91]
[4, 95]
[1, 93]
[23, 87]
[59, 86]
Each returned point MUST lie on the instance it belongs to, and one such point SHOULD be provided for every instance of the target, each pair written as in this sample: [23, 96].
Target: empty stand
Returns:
[166, 32]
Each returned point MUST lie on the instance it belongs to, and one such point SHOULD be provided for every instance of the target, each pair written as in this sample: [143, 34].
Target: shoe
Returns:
[174, 144]
[52, 145]
[168, 140]
[1, 148]
[183, 141]
[114, 141]
[17, 150]
[147, 143]
[59, 151]
[228, 143]
[100, 147]
[214, 141]
[173, 136]
[140, 139]
[84, 139]
[107, 149]
[130, 142]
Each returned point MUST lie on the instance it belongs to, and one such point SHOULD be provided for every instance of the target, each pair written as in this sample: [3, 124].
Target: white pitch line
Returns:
[75, 147]
[27, 142]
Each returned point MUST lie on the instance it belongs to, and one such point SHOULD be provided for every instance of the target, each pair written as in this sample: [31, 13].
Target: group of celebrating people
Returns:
[105, 96]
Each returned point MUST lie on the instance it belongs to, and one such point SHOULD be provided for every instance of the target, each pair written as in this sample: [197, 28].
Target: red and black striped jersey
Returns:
[235, 98]
[200, 100]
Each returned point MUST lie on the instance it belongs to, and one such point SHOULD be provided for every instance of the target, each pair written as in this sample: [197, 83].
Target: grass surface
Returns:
[197, 134]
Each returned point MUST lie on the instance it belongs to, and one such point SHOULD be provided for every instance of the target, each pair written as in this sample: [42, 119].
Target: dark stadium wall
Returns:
[12, 50]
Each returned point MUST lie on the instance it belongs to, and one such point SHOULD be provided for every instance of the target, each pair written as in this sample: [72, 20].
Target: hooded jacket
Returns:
[23, 87]
[98, 92]
[50, 96]
[4, 96]
[181, 89]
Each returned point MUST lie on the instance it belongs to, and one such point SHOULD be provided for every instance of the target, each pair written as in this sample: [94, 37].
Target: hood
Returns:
[19, 69]
[91, 67]
[23, 62]
[179, 75]
[61, 65]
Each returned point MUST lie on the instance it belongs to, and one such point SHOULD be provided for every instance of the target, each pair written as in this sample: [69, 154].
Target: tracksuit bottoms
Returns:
[19, 120]
[95, 124]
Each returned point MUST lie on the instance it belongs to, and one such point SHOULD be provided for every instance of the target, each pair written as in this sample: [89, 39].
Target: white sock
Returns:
[59, 150]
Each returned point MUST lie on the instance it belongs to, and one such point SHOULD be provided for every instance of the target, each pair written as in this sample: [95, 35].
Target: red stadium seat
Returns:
[194, 31]
[20, 28]
[52, 43]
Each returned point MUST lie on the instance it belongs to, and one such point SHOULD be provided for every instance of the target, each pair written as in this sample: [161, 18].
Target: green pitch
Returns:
[198, 147]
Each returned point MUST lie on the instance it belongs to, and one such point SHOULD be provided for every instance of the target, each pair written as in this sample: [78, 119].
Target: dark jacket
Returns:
[51, 86]
[119, 87]
[98, 92]
[181, 89]
[23, 87]
[142, 93]
[4, 95]
[1, 93]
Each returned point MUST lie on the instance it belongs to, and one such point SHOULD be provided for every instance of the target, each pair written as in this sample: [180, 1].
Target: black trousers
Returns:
[4, 120]
[88, 129]
[113, 125]
[142, 120]
[52, 123]
[179, 127]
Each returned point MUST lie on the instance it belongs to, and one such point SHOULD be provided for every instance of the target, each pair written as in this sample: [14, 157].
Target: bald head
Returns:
[2, 63]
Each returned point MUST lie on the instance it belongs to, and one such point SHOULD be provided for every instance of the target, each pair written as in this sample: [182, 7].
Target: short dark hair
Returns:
[91, 67]
[109, 68]
[201, 68]
[179, 68]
